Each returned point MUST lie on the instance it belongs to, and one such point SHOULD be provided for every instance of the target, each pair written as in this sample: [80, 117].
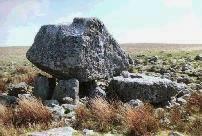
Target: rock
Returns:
[166, 75]
[88, 132]
[83, 50]
[135, 103]
[51, 103]
[153, 59]
[7, 100]
[68, 100]
[198, 57]
[97, 92]
[25, 96]
[69, 107]
[57, 111]
[43, 87]
[159, 113]
[62, 131]
[186, 67]
[184, 79]
[175, 133]
[66, 88]
[21, 88]
[125, 74]
[147, 88]
[181, 101]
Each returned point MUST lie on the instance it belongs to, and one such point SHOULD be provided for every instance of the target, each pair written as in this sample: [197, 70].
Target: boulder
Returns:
[21, 88]
[66, 88]
[198, 57]
[97, 92]
[84, 50]
[43, 87]
[146, 88]
[7, 100]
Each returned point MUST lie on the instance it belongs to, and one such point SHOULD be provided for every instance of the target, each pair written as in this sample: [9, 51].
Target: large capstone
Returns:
[147, 88]
[83, 50]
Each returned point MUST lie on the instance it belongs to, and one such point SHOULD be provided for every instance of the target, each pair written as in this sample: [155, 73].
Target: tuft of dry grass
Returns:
[194, 103]
[28, 115]
[195, 128]
[2, 86]
[6, 115]
[21, 70]
[178, 119]
[140, 121]
[27, 112]
[31, 111]
[99, 115]
[102, 109]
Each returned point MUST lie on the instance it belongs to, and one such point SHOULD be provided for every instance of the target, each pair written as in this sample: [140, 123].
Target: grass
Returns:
[29, 114]
[140, 121]
[104, 116]
[98, 115]
[2, 85]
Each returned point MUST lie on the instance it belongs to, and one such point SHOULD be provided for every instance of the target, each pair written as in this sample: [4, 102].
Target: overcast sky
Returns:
[129, 21]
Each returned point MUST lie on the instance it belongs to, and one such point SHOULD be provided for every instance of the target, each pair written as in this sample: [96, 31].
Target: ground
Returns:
[176, 62]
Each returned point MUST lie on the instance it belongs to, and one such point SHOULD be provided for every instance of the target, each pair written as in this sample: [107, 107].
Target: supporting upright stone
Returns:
[43, 87]
[66, 88]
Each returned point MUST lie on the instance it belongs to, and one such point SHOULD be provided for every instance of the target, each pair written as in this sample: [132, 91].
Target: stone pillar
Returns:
[66, 88]
[43, 87]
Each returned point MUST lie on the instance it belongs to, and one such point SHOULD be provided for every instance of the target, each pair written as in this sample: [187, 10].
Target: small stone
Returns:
[125, 74]
[175, 133]
[153, 59]
[68, 100]
[181, 101]
[136, 103]
[198, 57]
[25, 96]
[69, 107]
[88, 132]
[21, 88]
[57, 111]
[51, 103]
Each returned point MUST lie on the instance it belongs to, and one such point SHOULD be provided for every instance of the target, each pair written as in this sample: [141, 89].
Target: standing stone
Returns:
[83, 50]
[43, 87]
[66, 88]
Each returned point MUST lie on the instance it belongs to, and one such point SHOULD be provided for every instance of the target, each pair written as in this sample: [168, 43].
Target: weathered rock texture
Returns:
[44, 87]
[83, 50]
[146, 88]
[66, 88]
